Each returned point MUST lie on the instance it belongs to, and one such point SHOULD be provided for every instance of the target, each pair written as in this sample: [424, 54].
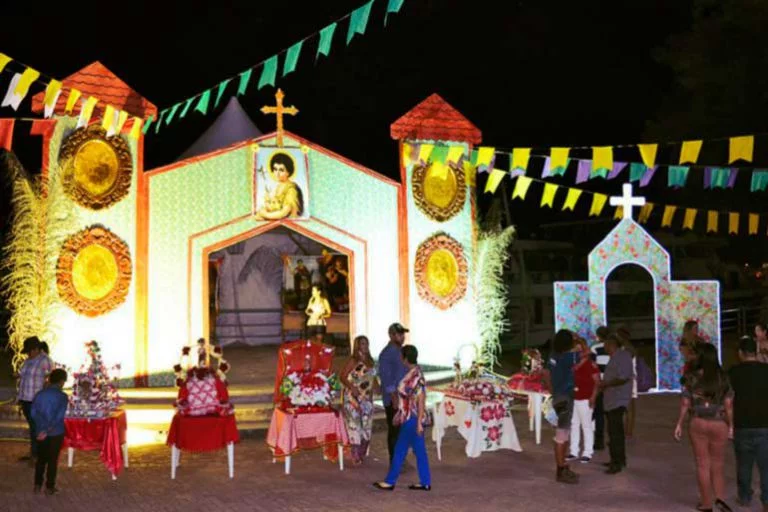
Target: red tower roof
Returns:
[98, 81]
[435, 119]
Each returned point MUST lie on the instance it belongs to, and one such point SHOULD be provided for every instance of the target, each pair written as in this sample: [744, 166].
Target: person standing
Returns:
[617, 391]
[357, 379]
[708, 399]
[761, 339]
[586, 379]
[391, 372]
[600, 357]
[318, 310]
[412, 418]
[558, 379]
[749, 380]
[626, 344]
[48, 410]
[31, 381]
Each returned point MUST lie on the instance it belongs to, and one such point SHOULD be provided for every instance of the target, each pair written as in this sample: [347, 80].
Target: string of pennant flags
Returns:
[114, 119]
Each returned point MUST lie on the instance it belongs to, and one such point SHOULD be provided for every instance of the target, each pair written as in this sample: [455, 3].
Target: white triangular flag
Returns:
[10, 96]
[48, 111]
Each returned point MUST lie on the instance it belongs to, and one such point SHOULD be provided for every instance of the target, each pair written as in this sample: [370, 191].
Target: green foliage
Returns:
[39, 225]
[492, 254]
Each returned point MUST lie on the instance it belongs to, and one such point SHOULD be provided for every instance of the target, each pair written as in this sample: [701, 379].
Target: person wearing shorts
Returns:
[558, 377]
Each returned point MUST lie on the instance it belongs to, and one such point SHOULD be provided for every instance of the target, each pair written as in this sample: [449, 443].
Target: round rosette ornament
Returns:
[441, 271]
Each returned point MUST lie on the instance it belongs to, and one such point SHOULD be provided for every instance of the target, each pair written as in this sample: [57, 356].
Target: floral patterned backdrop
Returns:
[580, 306]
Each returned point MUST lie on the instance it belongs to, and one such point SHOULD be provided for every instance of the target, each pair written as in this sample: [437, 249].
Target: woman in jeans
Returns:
[708, 399]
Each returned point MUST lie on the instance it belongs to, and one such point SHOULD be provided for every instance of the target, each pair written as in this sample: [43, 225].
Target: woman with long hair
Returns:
[761, 338]
[708, 400]
[318, 309]
[357, 377]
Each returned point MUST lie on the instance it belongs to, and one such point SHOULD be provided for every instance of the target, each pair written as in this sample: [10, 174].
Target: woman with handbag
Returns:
[412, 417]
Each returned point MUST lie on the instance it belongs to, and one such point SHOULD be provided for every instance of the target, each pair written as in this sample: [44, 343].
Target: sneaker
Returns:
[571, 458]
[585, 460]
[566, 476]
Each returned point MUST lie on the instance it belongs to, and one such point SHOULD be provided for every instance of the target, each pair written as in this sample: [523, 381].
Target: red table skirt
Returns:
[104, 434]
[202, 433]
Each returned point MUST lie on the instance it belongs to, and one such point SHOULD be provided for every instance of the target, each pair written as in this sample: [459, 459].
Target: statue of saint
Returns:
[285, 200]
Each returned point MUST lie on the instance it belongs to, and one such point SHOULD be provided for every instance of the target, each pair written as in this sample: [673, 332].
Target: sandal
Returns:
[700, 508]
[383, 486]
[722, 506]
[414, 487]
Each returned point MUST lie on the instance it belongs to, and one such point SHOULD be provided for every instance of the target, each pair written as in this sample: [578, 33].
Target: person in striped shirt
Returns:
[32, 380]
[602, 358]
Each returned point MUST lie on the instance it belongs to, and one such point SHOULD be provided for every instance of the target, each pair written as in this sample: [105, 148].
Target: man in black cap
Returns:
[391, 372]
[32, 380]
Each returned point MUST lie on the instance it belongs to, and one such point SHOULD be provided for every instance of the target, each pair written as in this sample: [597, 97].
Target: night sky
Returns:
[527, 73]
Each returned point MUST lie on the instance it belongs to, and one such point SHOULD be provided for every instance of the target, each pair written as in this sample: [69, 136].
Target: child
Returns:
[558, 377]
[587, 378]
[48, 410]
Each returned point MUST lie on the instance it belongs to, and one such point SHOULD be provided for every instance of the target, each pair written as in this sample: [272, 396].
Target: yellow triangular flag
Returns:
[493, 180]
[741, 148]
[440, 170]
[470, 172]
[74, 95]
[619, 213]
[645, 213]
[521, 187]
[754, 223]
[689, 153]
[690, 218]
[548, 197]
[122, 117]
[602, 157]
[4, 60]
[87, 111]
[598, 202]
[648, 153]
[669, 214]
[733, 223]
[109, 118]
[571, 199]
[454, 153]
[407, 153]
[712, 221]
[52, 92]
[27, 77]
[520, 157]
[425, 151]
[485, 155]
[558, 157]
[136, 128]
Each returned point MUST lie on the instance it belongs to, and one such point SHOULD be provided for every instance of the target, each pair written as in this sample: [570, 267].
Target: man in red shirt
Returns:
[586, 378]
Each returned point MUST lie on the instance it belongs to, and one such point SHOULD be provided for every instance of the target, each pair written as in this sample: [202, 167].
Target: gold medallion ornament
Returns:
[93, 273]
[439, 190]
[96, 168]
[441, 271]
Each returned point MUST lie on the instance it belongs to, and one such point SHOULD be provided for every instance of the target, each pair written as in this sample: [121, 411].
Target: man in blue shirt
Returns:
[48, 410]
[391, 372]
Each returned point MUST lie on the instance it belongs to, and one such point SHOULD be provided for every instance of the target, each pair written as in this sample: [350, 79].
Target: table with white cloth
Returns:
[535, 409]
[486, 425]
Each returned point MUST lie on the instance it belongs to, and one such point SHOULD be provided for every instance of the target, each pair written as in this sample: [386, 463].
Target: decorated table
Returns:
[105, 434]
[529, 383]
[485, 423]
[203, 434]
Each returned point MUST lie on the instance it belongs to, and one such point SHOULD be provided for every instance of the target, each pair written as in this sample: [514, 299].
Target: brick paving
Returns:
[660, 477]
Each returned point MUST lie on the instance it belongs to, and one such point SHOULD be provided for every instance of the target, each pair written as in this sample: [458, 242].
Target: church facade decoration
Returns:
[439, 190]
[441, 271]
[97, 168]
[93, 272]
[581, 306]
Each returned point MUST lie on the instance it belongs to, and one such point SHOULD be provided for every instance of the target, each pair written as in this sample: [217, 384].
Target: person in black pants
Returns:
[617, 392]
[48, 410]
[601, 357]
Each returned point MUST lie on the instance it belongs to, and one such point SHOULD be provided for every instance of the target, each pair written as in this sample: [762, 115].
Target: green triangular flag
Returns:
[759, 180]
[292, 57]
[160, 120]
[720, 177]
[245, 77]
[172, 113]
[326, 36]
[147, 124]
[393, 7]
[677, 175]
[359, 20]
[637, 171]
[439, 154]
[202, 105]
[269, 73]
[186, 108]
[602, 172]
[560, 170]
[222, 87]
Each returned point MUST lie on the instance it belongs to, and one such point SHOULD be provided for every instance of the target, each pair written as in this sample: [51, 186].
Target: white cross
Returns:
[627, 200]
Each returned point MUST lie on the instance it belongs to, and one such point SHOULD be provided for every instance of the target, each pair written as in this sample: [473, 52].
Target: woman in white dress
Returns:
[318, 310]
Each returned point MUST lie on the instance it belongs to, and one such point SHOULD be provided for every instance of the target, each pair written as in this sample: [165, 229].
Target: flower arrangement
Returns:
[482, 389]
[94, 393]
[531, 362]
[202, 381]
[310, 389]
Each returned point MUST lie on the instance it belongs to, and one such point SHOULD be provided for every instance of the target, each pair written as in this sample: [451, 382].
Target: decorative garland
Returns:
[439, 198]
[441, 271]
[94, 393]
[97, 168]
[200, 367]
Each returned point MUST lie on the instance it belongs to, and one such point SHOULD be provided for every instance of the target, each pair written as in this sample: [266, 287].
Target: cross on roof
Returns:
[627, 200]
[279, 110]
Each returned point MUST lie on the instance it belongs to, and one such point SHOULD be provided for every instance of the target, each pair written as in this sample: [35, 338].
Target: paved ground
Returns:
[660, 477]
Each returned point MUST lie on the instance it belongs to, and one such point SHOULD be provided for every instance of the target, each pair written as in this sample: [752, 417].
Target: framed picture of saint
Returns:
[281, 184]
